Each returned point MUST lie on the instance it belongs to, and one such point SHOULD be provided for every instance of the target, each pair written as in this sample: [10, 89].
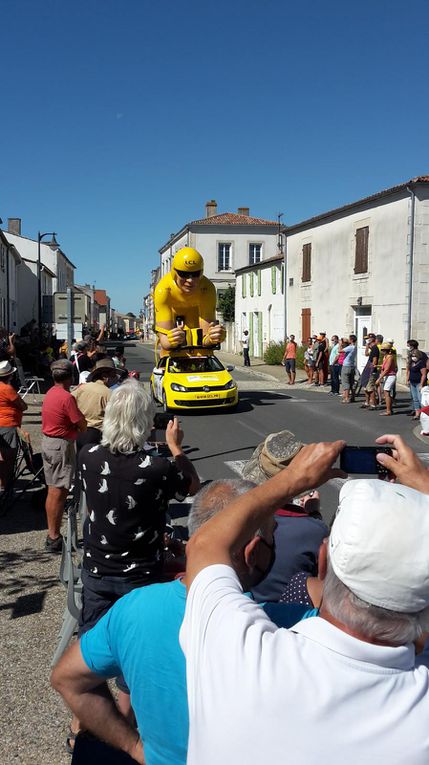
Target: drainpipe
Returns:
[285, 287]
[8, 328]
[410, 256]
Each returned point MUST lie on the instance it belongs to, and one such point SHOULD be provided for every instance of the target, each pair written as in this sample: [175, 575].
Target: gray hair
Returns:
[128, 418]
[374, 622]
[213, 498]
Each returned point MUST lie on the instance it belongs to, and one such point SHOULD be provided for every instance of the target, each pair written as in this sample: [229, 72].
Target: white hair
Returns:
[128, 418]
[213, 498]
[373, 622]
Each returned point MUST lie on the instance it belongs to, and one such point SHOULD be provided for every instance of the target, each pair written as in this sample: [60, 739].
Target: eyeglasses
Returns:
[188, 274]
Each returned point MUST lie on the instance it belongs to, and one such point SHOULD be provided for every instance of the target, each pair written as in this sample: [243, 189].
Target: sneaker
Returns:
[54, 545]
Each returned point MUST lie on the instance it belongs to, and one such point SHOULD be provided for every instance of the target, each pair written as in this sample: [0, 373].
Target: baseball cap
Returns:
[370, 335]
[379, 545]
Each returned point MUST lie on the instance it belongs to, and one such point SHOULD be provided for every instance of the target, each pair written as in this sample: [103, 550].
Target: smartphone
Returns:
[180, 321]
[160, 422]
[362, 459]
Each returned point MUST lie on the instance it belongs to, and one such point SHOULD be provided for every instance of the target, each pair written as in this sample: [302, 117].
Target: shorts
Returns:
[59, 461]
[370, 387]
[320, 364]
[290, 365]
[389, 382]
[347, 377]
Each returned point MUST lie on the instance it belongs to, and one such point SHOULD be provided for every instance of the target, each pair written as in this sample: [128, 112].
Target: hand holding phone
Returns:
[160, 422]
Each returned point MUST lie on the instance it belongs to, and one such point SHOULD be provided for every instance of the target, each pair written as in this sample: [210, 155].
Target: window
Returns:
[306, 263]
[254, 253]
[361, 250]
[224, 257]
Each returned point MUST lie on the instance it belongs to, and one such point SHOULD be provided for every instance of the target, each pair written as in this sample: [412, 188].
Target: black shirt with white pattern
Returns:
[127, 496]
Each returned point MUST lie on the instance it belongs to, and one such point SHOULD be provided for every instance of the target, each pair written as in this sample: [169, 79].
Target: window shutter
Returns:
[243, 285]
[259, 281]
[361, 251]
[306, 263]
[282, 276]
[252, 284]
[273, 279]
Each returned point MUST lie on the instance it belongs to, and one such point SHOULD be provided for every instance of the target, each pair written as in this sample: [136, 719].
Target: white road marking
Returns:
[263, 434]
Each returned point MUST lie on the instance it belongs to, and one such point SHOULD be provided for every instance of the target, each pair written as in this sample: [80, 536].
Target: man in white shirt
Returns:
[340, 687]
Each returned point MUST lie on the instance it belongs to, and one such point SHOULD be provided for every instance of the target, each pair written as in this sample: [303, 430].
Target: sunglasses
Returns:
[188, 274]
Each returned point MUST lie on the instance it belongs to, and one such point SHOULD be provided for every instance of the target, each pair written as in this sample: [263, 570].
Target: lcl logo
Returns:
[191, 262]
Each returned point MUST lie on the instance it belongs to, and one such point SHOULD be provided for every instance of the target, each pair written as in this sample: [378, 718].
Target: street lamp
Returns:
[53, 244]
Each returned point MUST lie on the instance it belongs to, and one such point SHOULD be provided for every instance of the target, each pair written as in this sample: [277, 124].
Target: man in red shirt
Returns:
[61, 421]
[289, 359]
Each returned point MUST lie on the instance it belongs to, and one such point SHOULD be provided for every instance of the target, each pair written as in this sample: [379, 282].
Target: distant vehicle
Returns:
[131, 336]
[193, 382]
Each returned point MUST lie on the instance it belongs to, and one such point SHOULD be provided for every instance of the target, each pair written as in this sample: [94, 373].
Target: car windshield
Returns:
[197, 364]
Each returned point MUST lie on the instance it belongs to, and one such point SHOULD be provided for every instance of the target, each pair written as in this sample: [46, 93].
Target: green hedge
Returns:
[274, 354]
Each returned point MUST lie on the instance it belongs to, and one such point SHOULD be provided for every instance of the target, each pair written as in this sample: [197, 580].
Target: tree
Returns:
[226, 303]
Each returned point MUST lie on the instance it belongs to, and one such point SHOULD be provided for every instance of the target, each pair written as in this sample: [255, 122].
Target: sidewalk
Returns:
[32, 600]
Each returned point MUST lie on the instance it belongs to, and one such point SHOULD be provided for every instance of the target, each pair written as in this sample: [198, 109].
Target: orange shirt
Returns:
[290, 352]
[10, 415]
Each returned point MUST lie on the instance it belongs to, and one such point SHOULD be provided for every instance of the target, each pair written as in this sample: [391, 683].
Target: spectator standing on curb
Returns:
[387, 376]
[92, 399]
[416, 375]
[289, 359]
[321, 358]
[334, 366]
[348, 370]
[12, 407]
[245, 346]
[309, 361]
[61, 421]
[372, 351]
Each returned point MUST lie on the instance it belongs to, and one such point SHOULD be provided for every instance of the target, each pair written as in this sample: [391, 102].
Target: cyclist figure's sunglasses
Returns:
[188, 274]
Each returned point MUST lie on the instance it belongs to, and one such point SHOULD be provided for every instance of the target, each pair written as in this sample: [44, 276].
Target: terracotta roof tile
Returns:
[234, 219]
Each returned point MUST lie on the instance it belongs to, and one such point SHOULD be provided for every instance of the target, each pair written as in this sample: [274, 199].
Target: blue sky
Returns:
[121, 118]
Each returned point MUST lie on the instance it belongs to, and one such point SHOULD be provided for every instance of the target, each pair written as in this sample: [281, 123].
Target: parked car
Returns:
[193, 382]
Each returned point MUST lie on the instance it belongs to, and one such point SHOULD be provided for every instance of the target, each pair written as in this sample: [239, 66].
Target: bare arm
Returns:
[174, 437]
[232, 527]
[89, 698]
[11, 350]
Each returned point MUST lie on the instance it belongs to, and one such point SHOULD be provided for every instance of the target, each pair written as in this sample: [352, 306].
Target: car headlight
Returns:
[230, 384]
[181, 388]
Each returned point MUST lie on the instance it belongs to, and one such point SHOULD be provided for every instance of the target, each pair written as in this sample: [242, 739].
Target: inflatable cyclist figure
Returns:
[185, 305]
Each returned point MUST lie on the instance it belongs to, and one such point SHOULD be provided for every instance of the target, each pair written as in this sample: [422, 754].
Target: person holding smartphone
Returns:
[387, 377]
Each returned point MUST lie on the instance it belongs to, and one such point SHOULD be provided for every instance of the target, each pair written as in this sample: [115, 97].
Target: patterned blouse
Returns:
[296, 590]
[127, 495]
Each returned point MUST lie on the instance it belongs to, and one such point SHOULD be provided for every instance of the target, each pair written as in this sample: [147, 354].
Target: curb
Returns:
[417, 434]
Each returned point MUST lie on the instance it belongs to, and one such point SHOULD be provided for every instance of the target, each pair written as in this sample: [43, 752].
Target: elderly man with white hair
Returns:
[339, 687]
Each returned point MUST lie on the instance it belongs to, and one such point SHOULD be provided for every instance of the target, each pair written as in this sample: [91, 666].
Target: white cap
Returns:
[379, 544]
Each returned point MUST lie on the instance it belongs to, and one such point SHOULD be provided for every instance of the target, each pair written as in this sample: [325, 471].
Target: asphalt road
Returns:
[219, 443]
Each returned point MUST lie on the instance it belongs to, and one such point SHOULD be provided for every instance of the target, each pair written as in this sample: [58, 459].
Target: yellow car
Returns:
[193, 382]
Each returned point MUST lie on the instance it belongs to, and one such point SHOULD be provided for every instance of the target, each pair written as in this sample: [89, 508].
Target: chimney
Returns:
[14, 226]
[243, 210]
[211, 208]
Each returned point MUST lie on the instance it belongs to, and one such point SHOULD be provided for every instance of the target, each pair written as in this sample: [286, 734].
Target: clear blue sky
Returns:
[121, 118]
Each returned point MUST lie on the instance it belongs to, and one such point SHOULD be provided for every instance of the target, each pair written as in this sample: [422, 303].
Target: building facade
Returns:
[363, 267]
[260, 304]
[227, 242]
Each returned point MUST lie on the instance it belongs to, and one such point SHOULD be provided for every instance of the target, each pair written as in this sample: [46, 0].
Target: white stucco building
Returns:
[260, 304]
[362, 267]
[227, 242]
[59, 269]
[10, 262]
